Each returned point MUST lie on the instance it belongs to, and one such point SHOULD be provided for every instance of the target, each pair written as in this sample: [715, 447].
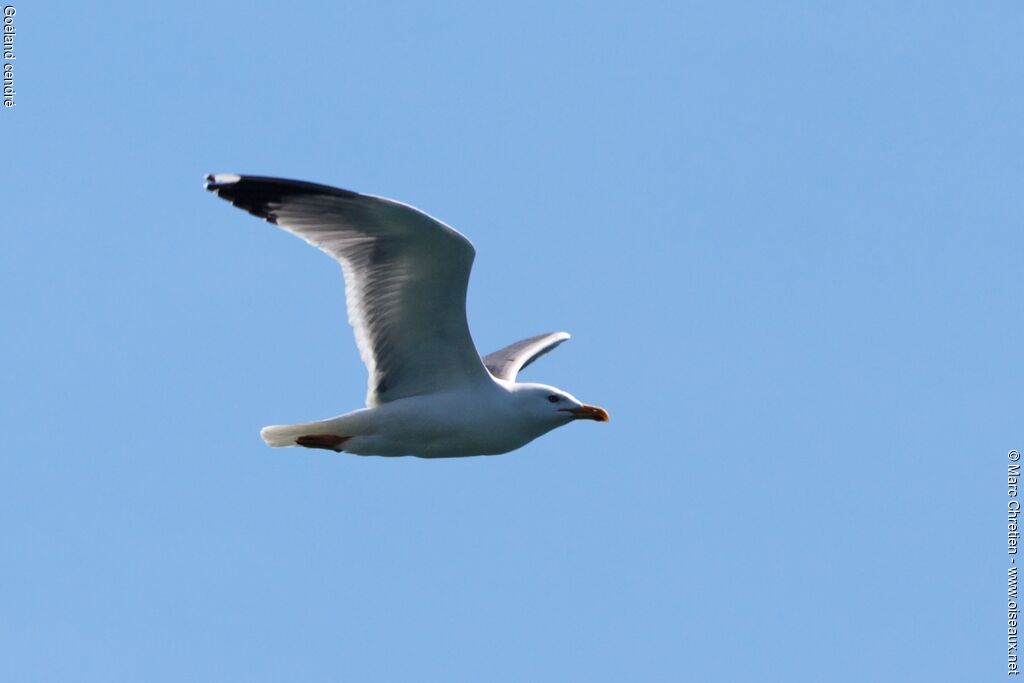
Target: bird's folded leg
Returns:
[330, 442]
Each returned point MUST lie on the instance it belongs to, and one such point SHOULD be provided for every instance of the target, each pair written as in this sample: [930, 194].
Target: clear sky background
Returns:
[786, 239]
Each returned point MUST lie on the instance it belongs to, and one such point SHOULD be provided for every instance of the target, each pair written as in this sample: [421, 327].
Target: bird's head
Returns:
[555, 406]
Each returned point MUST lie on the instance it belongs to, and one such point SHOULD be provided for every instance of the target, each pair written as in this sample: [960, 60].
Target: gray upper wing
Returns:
[406, 275]
[506, 363]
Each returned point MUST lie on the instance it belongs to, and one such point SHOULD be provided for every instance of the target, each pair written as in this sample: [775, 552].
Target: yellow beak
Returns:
[585, 412]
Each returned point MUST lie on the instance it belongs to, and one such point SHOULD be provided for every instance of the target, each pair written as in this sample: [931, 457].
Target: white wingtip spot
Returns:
[223, 178]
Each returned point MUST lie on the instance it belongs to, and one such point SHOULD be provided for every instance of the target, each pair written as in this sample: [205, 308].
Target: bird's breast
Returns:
[453, 425]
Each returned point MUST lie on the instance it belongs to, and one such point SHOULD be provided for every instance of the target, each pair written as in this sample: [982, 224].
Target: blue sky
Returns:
[786, 240]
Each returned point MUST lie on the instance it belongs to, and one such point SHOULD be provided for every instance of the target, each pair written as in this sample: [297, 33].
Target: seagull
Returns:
[429, 393]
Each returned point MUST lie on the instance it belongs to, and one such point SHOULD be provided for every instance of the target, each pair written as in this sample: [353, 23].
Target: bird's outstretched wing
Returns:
[506, 363]
[405, 272]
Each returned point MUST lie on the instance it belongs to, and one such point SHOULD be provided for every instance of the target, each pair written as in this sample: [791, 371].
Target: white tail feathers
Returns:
[279, 436]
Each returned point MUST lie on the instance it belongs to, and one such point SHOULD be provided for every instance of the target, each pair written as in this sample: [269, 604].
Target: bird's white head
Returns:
[553, 406]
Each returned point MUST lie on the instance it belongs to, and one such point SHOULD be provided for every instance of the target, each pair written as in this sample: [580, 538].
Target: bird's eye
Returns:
[553, 399]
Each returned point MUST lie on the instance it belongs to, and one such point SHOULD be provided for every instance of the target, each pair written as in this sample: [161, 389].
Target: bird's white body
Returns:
[455, 423]
[429, 393]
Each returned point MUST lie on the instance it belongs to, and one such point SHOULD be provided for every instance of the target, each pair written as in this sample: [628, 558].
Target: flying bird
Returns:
[429, 394]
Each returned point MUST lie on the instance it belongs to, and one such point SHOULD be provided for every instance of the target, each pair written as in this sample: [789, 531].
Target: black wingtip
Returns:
[262, 196]
[215, 181]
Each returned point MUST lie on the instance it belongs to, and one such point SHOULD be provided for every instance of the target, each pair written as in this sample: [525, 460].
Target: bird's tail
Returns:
[311, 433]
[280, 436]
